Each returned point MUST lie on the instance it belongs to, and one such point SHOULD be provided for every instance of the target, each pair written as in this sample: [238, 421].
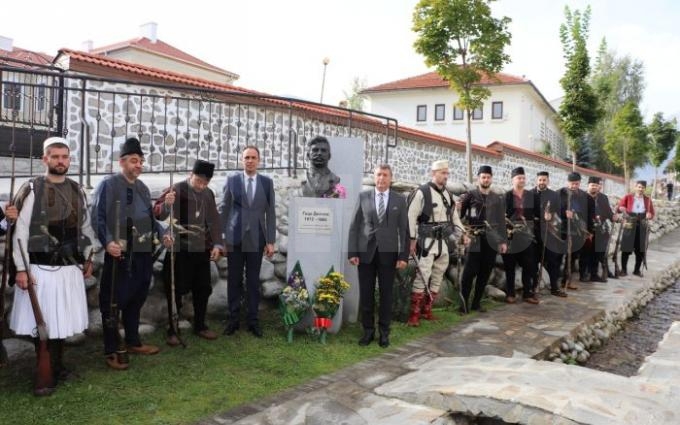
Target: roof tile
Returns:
[434, 80]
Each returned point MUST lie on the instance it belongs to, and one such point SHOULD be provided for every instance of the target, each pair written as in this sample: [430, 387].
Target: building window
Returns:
[40, 99]
[497, 110]
[457, 114]
[477, 114]
[11, 98]
[421, 113]
[439, 112]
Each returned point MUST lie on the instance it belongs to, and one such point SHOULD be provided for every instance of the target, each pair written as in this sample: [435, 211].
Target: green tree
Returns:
[625, 143]
[662, 135]
[578, 111]
[355, 98]
[464, 43]
[615, 80]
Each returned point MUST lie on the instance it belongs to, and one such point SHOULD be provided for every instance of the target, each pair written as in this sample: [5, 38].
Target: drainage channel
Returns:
[624, 352]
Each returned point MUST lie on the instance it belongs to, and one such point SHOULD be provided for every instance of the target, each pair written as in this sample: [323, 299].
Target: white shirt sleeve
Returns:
[21, 231]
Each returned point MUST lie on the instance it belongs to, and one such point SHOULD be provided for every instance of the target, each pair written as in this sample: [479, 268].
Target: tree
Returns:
[625, 141]
[615, 80]
[355, 98]
[578, 111]
[464, 43]
[661, 135]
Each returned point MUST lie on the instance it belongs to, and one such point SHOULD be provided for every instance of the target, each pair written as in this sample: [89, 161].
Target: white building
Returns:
[516, 112]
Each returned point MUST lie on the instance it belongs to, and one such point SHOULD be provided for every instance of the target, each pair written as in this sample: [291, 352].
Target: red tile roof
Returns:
[38, 58]
[434, 80]
[161, 48]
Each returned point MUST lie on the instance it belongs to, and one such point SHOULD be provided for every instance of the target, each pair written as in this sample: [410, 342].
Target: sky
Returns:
[278, 46]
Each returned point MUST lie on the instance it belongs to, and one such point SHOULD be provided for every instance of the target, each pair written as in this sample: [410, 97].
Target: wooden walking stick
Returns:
[112, 322]
[44, 379]
[569, 244]
[539, 273]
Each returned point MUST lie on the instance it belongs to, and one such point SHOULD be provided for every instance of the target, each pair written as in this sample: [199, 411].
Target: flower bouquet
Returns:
[293, 301]
[327, 299]
[338, 191]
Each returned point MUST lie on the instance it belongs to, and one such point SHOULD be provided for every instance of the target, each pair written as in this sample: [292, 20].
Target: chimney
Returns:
[149, 31]
[6, 43]
[87, 46]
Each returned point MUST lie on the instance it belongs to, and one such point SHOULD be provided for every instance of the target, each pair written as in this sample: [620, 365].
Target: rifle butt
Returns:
[4, 358]
[44, 378]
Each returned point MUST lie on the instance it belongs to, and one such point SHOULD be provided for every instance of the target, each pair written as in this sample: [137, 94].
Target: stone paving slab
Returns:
[528, 391]
[494, 352]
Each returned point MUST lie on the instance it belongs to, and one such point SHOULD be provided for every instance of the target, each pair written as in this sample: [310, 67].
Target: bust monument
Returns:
[321, 181]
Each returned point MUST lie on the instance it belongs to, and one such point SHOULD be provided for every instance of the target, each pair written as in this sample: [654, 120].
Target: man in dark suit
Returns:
[249, 218]
[378, 244]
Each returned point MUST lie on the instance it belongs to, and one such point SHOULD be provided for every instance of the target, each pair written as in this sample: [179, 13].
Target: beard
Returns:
[485, 185]
[542, 187]
[57, 171]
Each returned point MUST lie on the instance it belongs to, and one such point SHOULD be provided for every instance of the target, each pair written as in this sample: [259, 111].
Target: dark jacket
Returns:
[238, 214]
[367, 235]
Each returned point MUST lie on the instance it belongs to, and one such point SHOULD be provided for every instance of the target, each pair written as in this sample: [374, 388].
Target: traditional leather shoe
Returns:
[623, 273]
[510, 300]
[384, 340]
[172, 340]
[113, 363]
[638, 273]
[255, 330]
[572, 286]
[611, 275]
[367, 338]
[44, 391]
[559, 293]
[231, 328]
[207, 334]
[144, 349]
[531, 300]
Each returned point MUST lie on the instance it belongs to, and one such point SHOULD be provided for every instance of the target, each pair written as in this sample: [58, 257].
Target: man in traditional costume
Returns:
[639, 210]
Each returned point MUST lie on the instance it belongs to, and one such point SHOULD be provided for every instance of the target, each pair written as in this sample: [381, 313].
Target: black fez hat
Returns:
[543, 173]
[519, 171]
[574, 177]
[203, 168]
[131, 146]
[593, 179]
[642, 182]
[485, 169]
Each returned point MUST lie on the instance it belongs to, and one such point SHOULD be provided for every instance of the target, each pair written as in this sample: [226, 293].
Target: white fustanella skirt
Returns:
[61, 295]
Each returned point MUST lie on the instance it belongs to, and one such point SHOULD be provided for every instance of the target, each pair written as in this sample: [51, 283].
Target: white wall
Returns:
[523, 112]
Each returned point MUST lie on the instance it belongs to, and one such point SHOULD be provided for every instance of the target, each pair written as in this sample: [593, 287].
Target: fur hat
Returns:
[203, 168]
[130, 147]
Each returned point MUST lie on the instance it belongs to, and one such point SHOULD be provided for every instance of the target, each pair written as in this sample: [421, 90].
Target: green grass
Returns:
[184, 385]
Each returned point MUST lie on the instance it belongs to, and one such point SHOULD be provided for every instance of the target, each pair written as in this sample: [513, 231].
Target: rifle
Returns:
[6, 264]
[539, 273]
[44, 379]
[174, 314]
[617, 245]
[647, 232]
[112, 323]
[569, 243]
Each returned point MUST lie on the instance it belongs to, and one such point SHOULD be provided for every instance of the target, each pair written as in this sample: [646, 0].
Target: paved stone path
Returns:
[486, 366]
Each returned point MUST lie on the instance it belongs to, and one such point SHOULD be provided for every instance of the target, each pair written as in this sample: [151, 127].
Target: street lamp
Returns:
[325, 62]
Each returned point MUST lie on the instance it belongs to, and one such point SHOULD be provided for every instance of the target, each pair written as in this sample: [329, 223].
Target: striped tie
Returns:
[381, 207]
[249, 191]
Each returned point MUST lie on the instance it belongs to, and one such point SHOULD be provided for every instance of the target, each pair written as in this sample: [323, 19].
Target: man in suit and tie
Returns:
[378, 244]
[249, 218]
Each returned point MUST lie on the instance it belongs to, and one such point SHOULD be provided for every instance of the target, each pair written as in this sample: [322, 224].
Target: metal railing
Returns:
[175, 123]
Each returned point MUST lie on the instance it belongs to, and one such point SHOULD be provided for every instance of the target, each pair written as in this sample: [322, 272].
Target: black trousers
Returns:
[526, 260]
[192, 274]
[247, 256]
[131, 290]
[383, 267]
[551, 263]
[638, 248]
[596, 254]
[478, 266]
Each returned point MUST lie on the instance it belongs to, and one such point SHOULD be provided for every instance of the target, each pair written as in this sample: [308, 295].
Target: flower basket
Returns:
[293, 301]
[327, 299]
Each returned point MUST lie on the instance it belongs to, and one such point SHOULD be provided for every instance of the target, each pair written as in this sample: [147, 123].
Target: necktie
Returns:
[381, 207]
[249, 191]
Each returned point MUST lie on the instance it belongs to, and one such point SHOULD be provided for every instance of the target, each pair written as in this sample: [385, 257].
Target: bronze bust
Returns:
[321, 181]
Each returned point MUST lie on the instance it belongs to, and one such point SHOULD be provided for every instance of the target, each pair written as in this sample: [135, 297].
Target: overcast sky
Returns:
[278, 46]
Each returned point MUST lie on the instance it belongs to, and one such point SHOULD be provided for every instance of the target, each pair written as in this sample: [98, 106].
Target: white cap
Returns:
[440, 165]
[51, 141]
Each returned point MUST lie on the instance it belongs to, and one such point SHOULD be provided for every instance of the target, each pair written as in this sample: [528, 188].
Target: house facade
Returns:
[516, 113]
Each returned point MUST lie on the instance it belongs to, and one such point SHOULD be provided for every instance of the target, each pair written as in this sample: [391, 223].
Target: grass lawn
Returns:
[184, 385]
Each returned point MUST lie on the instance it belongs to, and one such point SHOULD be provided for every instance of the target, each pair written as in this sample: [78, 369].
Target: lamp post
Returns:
[325, 62]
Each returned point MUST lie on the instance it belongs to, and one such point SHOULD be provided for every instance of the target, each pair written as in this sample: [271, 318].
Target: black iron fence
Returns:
[176, 124]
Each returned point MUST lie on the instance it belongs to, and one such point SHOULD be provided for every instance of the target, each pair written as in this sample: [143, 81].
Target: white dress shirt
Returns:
[386, 197]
